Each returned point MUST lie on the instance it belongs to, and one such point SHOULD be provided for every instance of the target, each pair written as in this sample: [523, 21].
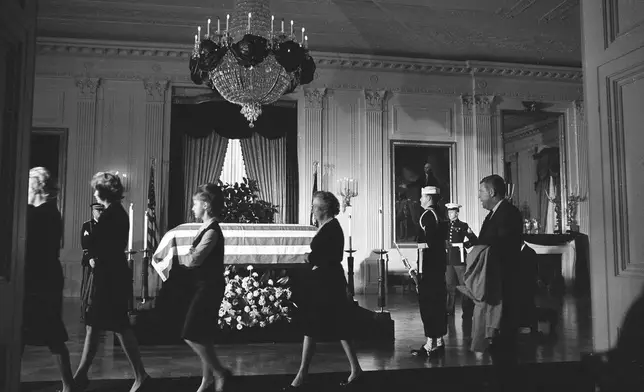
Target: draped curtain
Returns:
[547, 161]
[199, 138]
[265, 161]
[203, 159]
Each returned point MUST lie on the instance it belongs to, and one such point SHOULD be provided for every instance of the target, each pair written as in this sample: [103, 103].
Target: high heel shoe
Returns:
[81, 383]
[145, 384]
[228, 377]
[356, 382]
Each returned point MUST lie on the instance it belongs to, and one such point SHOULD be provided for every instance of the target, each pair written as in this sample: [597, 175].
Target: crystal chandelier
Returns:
[250, 64]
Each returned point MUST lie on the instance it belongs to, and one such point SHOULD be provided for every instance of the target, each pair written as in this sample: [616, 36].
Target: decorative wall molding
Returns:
[528, 131]
[76, 47]
[482, 103]
[155, 89]
[87, 87]
[375, 99]
[314, 97]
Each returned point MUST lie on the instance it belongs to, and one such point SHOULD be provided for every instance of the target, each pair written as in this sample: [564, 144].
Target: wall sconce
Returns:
[348, 190]
[125, 180]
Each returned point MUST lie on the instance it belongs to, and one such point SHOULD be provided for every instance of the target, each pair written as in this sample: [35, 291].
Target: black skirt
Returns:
[326, 312]
[42, 323]
[202, 318]
[105, 300]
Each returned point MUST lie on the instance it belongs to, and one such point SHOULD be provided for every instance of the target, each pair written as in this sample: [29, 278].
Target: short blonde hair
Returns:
[45, 183]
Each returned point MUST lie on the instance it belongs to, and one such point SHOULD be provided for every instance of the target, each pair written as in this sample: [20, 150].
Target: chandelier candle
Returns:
[248, 64]
[199, 33]
[306, 42]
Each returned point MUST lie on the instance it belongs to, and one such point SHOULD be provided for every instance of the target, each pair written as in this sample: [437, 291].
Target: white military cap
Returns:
[452, 206]
[430, 190]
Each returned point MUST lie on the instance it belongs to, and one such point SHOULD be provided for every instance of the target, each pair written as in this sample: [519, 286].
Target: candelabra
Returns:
[348, 190]
[573, 202]
[554, 200]
[509, 192]
[130, 264]
[350, 259]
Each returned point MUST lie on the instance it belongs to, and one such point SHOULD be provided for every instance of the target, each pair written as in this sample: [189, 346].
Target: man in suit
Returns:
[459, 237]
[502, 230]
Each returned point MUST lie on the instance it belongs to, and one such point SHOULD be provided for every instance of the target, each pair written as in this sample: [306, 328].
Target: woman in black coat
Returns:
[206, 267]
[327, 313]
[111, 284]
[43, 304]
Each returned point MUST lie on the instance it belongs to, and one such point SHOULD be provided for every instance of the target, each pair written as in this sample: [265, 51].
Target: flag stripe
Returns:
[244, 244]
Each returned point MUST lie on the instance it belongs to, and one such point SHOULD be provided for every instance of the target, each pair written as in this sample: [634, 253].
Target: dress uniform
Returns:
[86, 233]
[459, 237]
[432, 294]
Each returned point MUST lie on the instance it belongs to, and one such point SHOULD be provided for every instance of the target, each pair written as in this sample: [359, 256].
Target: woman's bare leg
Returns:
[352, 356]
[308, 349]
[131, 348]
[210, 365]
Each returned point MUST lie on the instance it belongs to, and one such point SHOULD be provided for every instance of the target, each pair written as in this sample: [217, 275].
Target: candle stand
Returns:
[144, 275]
[350, 264]
[130, 264]
[382, 271]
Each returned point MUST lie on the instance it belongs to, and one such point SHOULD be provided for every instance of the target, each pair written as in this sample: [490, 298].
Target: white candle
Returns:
[196, 39]
[131, 232]
[227, 18]
[381, 237]
[291, 27]
[302, 34]
[208, 29]
[218, 25]
[272, 20]
[306, 41]
[249, 21]
[145, 231]
[199, 32]
[282, 25]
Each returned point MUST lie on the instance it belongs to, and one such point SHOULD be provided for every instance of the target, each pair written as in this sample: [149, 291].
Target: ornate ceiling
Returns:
[545, 32]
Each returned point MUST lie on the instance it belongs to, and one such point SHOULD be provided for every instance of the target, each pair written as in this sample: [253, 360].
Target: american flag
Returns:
[152, 229]
[245, 243]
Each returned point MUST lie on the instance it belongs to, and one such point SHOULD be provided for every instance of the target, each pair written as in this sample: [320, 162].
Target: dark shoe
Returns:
[145, 385]
[437, 352]
[291, 388]
[81, 383]
[422, 352]
[228, 377]
[355, 383]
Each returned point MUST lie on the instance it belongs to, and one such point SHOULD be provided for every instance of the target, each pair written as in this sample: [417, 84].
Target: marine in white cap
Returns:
[432, 293]
[459, 237]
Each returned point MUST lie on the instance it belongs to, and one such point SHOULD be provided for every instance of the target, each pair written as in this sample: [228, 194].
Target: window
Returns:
[234, 169]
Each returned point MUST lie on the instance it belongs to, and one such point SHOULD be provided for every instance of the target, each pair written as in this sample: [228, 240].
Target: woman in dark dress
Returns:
[111, 284]
[206, 265]
[43, 304]
[327, 313]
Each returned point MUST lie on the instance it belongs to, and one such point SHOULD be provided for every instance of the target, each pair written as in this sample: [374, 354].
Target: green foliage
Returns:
[242, 204]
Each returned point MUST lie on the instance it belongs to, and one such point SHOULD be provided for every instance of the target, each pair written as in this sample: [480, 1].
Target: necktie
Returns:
[485, 221]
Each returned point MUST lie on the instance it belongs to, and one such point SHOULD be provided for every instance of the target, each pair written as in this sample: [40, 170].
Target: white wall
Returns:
[115, 101]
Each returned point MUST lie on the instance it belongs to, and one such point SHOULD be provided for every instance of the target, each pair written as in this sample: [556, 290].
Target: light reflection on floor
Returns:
[574, 336]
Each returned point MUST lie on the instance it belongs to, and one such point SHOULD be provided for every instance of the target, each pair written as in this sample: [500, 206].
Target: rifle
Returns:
[412, 271]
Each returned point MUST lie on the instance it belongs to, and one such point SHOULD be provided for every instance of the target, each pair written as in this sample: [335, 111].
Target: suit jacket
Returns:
[86, 234]
[504, 232]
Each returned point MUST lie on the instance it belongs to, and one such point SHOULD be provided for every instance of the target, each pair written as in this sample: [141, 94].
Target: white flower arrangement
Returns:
[253, 302]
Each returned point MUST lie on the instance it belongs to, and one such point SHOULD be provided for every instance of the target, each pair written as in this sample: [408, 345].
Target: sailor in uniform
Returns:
[459, 237]
[432, 293]
[86, 234]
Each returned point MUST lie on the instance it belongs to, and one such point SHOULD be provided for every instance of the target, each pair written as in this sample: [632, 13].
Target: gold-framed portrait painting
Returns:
[415, 165]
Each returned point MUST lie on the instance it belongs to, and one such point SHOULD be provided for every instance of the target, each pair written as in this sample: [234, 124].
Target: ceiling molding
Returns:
[529, 130]
[76, 47]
